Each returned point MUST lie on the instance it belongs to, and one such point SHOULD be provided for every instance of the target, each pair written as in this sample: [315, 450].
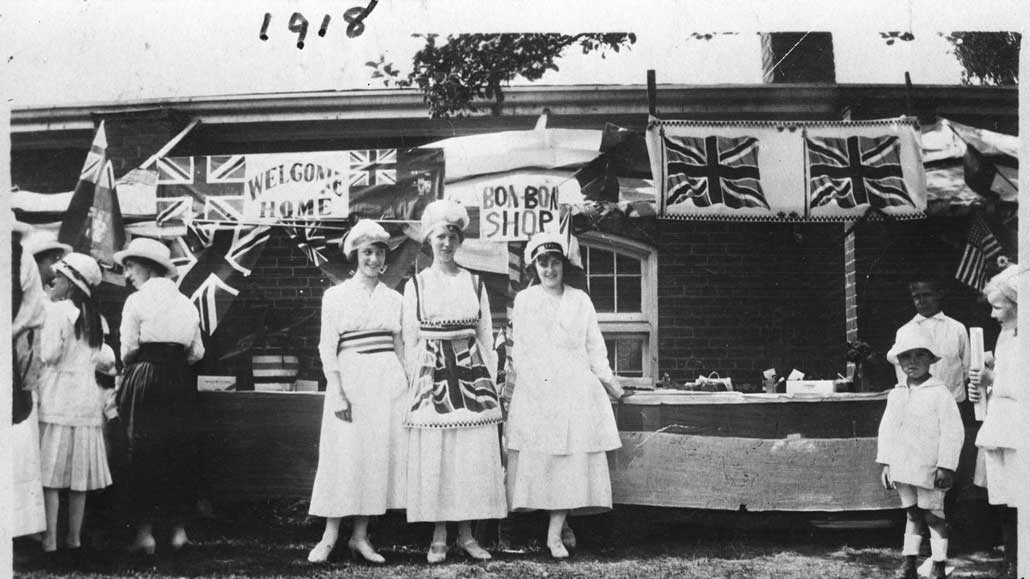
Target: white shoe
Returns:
[320, 554]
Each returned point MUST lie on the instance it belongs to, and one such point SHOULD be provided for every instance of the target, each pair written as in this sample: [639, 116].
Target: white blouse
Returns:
[349, 307]
[68, 390]
[158, 312]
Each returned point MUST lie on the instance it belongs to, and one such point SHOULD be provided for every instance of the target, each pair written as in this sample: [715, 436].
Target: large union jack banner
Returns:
[855, 171]
[792, 171]
[713, 171]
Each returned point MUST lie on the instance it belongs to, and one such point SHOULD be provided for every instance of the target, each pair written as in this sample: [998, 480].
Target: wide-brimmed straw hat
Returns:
[80, 269]
[543, 243]
[40, 241]
[911, 338]
[363, 233]
[443, 212]
[151, 249]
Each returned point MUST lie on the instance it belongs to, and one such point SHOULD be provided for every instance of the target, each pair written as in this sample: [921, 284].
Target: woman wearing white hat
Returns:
[160, 338]
[71, 404]
[560, 423]
[46, 249]
[454, 466]
[362, 447]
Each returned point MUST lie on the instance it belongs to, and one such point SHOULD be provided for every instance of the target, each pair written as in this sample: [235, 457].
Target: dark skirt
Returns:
[157, 406]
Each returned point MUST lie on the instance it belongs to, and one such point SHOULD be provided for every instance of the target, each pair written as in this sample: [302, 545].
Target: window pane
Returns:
[601, 261]
[628, 294]
[626, 354]
[628, 265]
[602, 293]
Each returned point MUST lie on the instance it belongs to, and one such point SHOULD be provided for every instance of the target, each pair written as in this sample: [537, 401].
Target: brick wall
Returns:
[741, 297]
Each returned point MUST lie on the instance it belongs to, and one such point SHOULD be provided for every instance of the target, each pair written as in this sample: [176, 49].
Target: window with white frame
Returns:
[622, 279]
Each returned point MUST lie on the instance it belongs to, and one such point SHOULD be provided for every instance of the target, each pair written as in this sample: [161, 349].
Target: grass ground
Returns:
[272, 540]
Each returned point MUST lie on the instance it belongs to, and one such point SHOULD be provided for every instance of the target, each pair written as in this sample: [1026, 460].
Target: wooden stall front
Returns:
[724, 451]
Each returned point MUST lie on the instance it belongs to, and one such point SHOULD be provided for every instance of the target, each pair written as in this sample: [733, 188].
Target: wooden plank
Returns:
[859, 417]
[789, 474]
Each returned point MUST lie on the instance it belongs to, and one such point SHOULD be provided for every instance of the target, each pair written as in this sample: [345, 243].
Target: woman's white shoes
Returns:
[558, 550]
[320, 554]
[362, 548]
[437, 553]
[474, 551]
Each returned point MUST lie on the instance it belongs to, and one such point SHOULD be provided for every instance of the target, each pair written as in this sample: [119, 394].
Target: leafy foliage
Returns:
[988, 58]
[456, 72]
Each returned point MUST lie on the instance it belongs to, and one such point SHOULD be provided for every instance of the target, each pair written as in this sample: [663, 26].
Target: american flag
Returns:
[981, 245]
[856, 171]
[713, 171]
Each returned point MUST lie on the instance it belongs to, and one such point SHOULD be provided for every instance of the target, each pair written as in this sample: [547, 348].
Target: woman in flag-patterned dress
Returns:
[454, 466]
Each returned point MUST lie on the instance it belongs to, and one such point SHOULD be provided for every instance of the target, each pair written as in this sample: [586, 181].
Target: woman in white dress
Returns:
[454, 457]
[560, 423]
[362, 448]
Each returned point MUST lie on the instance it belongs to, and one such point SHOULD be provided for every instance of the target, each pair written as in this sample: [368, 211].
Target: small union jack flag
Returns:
[373, 167]
[713, 171]
[856, 171]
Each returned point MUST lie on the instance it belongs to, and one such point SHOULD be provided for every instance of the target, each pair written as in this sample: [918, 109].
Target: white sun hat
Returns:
[80, 269]
[41, 240]
[151, 249]
[363, 233]
[911, 338]
[443, 212]
[544, 243]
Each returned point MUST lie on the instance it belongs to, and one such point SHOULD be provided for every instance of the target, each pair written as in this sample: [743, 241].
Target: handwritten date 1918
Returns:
[354, 17]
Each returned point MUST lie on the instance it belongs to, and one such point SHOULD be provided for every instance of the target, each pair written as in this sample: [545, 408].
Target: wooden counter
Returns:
[698, 450]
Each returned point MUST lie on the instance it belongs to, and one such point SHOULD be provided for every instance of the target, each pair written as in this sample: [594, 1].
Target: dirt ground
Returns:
[272, 540]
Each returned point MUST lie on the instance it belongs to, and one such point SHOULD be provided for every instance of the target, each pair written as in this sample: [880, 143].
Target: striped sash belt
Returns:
[365, 342]
[448, 330]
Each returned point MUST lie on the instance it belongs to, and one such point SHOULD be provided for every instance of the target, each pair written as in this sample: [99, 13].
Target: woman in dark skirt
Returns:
[157, 403]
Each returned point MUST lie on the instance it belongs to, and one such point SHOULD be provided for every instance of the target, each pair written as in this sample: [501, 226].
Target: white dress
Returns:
[71, 406]
[361, 463]
[561, 423]
[1002, 439]
[454, 472]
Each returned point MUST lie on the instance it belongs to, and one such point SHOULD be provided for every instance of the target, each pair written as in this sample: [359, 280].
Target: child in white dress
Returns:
[71, 404]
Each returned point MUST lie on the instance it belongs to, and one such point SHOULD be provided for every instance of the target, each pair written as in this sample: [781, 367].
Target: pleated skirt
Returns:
[73, 457]
[455, 474]
[158, 409]
[579, 483]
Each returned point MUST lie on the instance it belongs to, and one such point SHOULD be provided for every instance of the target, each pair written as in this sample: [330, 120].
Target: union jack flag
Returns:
[713, 171]
[314, 241]
[373, 167]
[855, 171]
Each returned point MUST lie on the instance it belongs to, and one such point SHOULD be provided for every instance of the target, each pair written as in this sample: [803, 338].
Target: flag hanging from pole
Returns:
[981, 245]
[93, 223]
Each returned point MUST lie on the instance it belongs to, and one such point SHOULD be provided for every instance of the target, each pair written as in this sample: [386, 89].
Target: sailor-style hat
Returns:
[543, 243]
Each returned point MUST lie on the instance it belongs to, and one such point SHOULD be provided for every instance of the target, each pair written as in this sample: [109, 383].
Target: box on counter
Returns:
[215, 383]
[815, 387]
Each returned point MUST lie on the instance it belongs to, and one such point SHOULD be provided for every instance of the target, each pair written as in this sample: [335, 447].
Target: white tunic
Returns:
[559, 405]
[362, 463]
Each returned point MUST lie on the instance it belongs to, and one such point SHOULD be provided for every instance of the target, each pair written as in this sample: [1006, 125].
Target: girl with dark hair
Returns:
[560, 423]
[71, 404]
[157, 403]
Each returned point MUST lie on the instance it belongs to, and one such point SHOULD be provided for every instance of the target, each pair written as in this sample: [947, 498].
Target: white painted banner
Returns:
[288, 186]
[515, 207]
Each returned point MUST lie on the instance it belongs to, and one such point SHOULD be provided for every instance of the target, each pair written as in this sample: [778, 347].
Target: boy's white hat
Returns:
[443, 212]
[146, 248]
[80, 269]
[40, 240]
[543, 243]
[364, 233]
[911, 338]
